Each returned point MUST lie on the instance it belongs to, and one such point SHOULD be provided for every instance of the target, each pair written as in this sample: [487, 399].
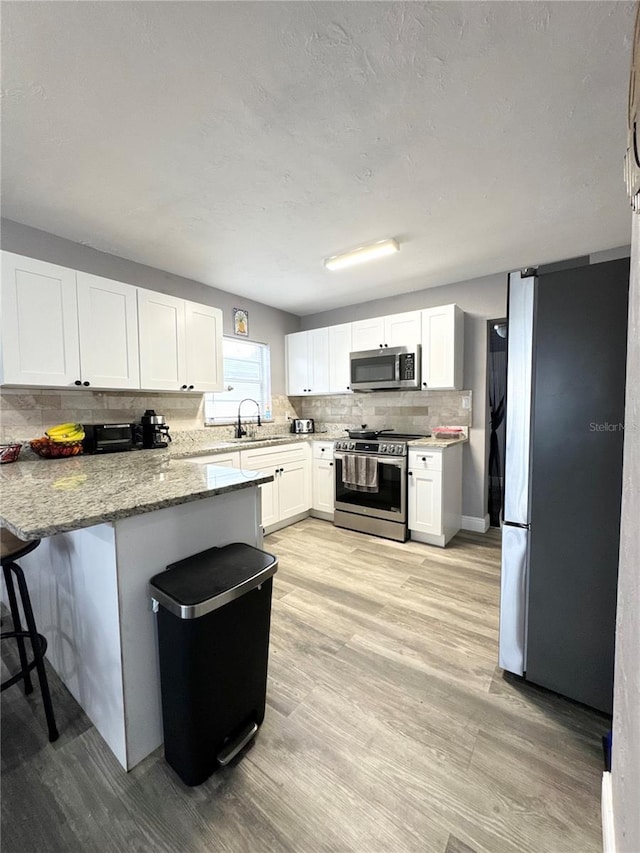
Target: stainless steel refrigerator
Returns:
[567, 341]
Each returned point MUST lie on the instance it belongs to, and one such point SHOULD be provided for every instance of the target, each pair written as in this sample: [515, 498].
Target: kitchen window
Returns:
[247, 370]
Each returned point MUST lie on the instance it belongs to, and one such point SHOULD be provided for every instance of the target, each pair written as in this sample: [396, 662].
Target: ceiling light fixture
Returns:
[362, 254]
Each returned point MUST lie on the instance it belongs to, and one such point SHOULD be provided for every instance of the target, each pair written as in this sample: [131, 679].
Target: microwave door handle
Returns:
[397, 360]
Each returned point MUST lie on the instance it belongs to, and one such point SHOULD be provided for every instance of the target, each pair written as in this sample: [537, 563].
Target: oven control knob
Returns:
[352, 445]
[398, 449]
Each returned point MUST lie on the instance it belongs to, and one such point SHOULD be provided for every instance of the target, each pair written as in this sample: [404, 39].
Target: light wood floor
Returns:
[389, 727]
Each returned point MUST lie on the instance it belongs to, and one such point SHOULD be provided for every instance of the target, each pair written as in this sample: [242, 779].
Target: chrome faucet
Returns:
[240, 431]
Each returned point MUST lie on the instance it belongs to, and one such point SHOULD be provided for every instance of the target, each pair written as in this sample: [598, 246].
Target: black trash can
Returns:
[214, 613]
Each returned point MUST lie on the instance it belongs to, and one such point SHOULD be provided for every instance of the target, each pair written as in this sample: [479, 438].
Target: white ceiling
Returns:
[240, 143]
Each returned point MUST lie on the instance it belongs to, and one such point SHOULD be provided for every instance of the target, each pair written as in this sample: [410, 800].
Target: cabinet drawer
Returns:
[265, 457]
[425, 460]
[323, 450]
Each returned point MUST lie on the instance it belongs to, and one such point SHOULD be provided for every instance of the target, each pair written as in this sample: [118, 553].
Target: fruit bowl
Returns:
[9, 452]
[55, 450]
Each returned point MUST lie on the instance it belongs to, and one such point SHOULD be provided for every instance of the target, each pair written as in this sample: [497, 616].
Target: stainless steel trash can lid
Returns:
[206, 581]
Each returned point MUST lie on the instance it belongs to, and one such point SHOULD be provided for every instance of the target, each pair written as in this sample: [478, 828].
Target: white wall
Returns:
[266, 325]
[626, 702]
[481, 299]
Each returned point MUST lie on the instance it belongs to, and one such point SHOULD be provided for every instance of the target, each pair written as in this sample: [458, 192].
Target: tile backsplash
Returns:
[26, 413]
[404, 411]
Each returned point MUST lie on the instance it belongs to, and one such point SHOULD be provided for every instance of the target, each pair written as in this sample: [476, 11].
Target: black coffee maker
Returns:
[152, 431]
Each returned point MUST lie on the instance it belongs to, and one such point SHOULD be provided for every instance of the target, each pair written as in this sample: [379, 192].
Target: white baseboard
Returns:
[608, 833]
[477, 525]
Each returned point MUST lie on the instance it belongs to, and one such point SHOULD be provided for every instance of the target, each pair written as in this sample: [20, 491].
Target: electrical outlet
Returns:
[466, 402]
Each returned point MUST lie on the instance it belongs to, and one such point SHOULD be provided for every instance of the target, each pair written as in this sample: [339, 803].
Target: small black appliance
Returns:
[107, 438]
[153, 431]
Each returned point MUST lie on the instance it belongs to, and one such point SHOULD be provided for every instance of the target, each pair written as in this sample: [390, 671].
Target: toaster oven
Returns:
[107, 438]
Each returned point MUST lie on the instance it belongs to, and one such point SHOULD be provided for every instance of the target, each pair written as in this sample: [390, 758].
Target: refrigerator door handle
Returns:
[513, 598]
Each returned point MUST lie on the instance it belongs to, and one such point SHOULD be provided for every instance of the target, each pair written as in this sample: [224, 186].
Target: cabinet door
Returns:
[269, 502]
[442, 347]
[294, 493]
[297, 364]
[161, 326]
[425, 501]
[339, 349]
[318, 360]
[39, 323]
[108, 327]
[255, 461]
[402, 330]
[323, 485]
[203, 346]
[367, 334]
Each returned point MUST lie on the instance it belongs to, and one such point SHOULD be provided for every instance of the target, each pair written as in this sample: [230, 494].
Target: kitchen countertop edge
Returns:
[91, 519]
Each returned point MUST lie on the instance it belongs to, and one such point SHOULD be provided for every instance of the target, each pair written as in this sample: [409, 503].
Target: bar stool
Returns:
[11, 549]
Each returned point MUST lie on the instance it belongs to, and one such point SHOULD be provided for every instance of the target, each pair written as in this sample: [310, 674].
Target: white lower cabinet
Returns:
[435, 494]
[288, 496]
[323, 473]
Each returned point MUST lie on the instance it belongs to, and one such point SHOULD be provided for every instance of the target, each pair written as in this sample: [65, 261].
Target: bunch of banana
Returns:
[65, 433]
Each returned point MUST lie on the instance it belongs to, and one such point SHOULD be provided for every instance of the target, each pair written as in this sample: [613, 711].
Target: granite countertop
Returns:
[203, 447]
[437, 443]
[41, 497]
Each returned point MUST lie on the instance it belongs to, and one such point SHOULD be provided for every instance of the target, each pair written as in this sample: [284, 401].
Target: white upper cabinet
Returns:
[108, 330]
[162, 341]
[203, 342]
[297, 364]
[180, 344]
[39, 323]
[340, 345]
[61, 327]
[402, 330]
[318, 349]
[367, 334]
[395, 330]
[440, 331]
[308, 362]
[442, 347]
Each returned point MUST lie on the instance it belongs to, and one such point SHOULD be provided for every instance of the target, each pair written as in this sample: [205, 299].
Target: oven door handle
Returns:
[387, 460]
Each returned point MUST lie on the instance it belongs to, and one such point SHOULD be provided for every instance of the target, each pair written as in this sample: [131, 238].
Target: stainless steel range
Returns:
[371, 484]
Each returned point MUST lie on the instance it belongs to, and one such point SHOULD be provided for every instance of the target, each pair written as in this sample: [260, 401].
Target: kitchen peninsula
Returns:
[108, 524]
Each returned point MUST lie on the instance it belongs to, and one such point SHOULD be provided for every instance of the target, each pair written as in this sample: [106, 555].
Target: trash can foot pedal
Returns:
[234, 746]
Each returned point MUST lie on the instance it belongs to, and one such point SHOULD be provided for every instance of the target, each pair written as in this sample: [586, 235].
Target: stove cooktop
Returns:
[403, 436]
[388, 443]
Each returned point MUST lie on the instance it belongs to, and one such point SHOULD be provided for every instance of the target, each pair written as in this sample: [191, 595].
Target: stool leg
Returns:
[35, 642]
[17, 626]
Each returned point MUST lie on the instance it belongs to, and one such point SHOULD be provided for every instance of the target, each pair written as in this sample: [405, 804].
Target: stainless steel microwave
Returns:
[385, 369]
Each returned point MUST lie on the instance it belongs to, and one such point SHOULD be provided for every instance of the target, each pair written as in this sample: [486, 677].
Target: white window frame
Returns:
[210, 400]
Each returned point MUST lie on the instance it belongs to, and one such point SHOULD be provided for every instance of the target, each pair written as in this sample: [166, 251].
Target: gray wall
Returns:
[266, 325]
[481, 299]
[626, 703]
